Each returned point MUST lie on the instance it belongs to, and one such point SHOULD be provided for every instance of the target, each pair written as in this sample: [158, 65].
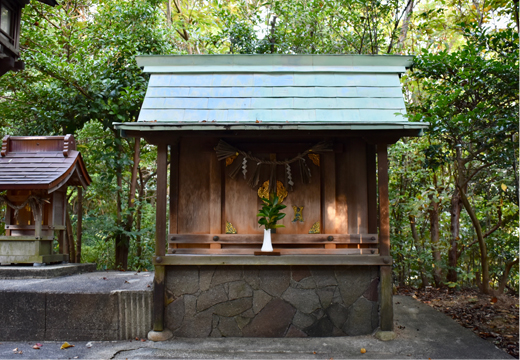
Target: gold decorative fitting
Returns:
[230, 229]
[298, 213]
[315, 159]
[315, 229]
[281, 192]
[229, 160]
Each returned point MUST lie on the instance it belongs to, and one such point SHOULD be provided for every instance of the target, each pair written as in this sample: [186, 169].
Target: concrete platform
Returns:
[13, 272]
[423, 333]
[102, 305]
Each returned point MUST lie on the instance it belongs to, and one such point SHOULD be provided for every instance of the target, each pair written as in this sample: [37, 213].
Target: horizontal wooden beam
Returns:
[281, 250]
[32, 227]
[367, 260]
[275, 238]
[26, 238]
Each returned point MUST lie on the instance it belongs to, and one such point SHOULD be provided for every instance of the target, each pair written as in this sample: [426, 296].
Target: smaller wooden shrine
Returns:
[36, 171]
[11, 11]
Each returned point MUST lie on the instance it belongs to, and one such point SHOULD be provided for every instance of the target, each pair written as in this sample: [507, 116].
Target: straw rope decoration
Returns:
[35, 203]
[225, 150]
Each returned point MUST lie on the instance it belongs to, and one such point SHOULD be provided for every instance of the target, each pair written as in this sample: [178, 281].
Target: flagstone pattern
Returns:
[279, 301]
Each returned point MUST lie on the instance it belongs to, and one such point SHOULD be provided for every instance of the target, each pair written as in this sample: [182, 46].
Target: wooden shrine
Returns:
[36, 171]
[11, 14]
[314, 129]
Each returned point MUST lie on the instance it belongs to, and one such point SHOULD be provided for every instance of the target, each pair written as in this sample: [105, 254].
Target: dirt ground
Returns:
[493, 319]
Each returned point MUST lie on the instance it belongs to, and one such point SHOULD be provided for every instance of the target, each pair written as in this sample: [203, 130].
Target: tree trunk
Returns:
[516, 15]
[406, 24]
[434, 234]
[121, 241]
[505, 276]
[169, 12]
[455, 236]
[138, 215]
[272, 38]
[422, 271]
[482, 243]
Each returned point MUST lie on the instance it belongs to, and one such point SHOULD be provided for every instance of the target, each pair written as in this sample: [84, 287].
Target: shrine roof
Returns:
[41, 162]
[209, 92]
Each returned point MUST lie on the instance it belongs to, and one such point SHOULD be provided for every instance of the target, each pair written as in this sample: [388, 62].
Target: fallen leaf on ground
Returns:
[143, 340]
[66, 345]
[36, 347]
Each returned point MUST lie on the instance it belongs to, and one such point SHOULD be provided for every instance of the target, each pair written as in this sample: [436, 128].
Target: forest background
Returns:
[454, 192]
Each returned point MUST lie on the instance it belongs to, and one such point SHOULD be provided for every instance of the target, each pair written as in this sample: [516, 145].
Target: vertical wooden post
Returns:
[174, 188]
[69, 235]
[80, 224]
[387, 311]
[371, 189]
[384, 215]
[7, 219]
[386, 299]
[158, 297]
[273, 182]
[160, 237]
[215, 198]
[160, 214]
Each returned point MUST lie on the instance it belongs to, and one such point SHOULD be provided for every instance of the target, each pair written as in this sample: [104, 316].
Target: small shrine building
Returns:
[36, 171]
[314, 129]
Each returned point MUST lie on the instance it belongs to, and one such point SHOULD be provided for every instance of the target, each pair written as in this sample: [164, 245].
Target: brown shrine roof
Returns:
[41, 162]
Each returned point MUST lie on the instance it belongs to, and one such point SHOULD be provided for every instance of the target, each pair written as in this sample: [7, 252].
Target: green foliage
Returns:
[81, 76]
[270, 213]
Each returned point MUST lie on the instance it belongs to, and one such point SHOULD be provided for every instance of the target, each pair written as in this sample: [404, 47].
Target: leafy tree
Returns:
[470, 97]
[80, 67]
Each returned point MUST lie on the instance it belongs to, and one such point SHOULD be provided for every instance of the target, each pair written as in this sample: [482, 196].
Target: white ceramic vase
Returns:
[267, 246]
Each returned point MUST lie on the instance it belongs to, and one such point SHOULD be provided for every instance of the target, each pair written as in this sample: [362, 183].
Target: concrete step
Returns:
[102, 305]
[29, 271]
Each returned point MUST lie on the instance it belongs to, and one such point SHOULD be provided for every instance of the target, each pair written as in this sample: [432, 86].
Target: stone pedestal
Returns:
[160, 335]
[272, 301]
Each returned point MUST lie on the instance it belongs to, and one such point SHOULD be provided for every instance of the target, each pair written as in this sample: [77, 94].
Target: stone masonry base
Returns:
[272, 301]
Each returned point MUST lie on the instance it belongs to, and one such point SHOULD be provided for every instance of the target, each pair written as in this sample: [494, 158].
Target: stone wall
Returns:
[272, 301]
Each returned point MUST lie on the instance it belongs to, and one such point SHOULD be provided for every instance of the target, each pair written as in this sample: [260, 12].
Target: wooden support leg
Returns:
[387, 310]
[158, 298]
[159, 332]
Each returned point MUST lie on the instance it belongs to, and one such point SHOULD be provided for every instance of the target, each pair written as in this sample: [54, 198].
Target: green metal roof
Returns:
[273, 91]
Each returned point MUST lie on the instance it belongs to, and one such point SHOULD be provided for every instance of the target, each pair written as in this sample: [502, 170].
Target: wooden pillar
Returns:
[174, 188]
[80, 225]
[387, 311]
[160, 214]
[371, 189]
[160, 237]
[215, 198]
[158, 297]
[384, 214]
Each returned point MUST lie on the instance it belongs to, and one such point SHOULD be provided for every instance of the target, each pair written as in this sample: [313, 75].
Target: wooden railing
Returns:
[286, 244]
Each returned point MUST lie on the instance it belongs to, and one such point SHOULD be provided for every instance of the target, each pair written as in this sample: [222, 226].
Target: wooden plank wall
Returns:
[242, 202]
[194, 186]
[351, 190]
[337, 196]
